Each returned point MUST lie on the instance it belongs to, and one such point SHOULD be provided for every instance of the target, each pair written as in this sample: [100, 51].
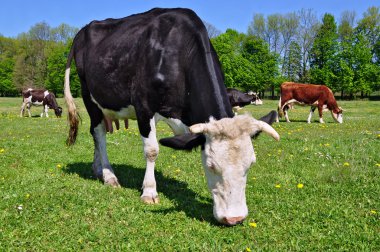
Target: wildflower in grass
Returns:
[254, 178]
[178, 171]
[346, 164]
[59, 166]
[2, 150]
[27, 196]
[278, 186]
[253, 224]
[174, 157]
[326, 144]
[300, 186]
[378, 165]
[19, 207]
[378, 136]
[248, 249]
[373, 212]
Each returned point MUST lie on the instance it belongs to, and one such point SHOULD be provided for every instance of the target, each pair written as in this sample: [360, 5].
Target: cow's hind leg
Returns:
[286, 108]
[151, 149]
[101, 166]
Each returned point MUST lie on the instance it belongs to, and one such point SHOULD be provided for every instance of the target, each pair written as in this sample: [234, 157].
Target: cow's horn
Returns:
[197, 128]
[268, 129]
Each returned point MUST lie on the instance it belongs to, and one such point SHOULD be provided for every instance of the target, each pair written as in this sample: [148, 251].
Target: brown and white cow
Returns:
[317, 96]
[39, 97]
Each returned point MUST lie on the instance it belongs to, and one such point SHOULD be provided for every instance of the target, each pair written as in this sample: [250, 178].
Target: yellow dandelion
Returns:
[178, 170]
[2, 150]
[59, 166]
[253, 224]
[254, 178]
[27, 196]
[378, 165]
[248, 249]
[174, 157]
[327, 144]
[300, 186]
[373, 212]
[378, 136]
[278, 186]
[346, 164]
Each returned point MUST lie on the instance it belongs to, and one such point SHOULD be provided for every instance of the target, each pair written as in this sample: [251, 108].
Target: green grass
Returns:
[49, 200]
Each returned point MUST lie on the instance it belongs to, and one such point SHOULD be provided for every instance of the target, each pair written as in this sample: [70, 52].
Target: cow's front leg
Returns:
[150, 144]
[312, 109]
[101, 167]
[22, 109]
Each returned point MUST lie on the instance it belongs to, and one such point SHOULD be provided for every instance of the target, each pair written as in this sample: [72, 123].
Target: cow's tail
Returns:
[73, 116]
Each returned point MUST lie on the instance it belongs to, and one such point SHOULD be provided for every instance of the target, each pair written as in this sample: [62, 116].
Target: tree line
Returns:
[343, 54]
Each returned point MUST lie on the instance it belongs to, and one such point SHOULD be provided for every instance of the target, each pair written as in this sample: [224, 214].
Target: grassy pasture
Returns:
[317, 189]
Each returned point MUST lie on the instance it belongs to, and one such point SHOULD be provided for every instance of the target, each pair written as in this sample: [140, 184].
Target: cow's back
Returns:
[305, 93]
[139, 60]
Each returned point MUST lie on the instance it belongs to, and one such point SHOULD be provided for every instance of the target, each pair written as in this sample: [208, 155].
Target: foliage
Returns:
[294, 46]
[246, 61]
[317, 189]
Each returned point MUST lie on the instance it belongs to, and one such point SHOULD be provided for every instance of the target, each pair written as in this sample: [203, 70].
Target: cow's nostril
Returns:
[231, 221]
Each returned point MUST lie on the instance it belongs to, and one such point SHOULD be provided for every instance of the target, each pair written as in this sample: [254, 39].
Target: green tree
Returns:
[292, 65]
[7, 53]
[323, 59]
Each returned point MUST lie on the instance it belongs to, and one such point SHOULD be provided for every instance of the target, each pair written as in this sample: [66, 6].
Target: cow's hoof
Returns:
[112, 182]
[150, 200]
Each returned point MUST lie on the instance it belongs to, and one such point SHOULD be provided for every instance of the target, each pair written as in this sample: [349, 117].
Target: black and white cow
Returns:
[160, 65]
[39, 97]
[239, 99]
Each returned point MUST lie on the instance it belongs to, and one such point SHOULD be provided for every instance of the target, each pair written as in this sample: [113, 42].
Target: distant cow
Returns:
[239, 99]
[160, 65]
[317, 96]
[40, 97]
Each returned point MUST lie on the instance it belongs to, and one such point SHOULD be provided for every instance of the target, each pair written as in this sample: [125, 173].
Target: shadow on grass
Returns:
[184, 199]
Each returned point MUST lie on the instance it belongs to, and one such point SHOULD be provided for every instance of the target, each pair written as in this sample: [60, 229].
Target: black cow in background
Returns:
[239, 99]
[160, 65]
[39, 97]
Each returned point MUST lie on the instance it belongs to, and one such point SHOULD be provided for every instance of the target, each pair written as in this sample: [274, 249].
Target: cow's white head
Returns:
[337, 114]
[227, 156]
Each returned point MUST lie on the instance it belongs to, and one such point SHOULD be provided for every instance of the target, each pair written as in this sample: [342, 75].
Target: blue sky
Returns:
[17, 16]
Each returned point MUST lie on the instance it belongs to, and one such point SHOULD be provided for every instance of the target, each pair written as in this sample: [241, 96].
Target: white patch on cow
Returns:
[46, 93]
[151, 150]
[124, 113]
[310, 115]
[257, 102]
[160, 76]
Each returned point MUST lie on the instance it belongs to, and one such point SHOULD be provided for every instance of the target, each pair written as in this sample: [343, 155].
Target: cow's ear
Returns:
[269, 119]
[187, 141]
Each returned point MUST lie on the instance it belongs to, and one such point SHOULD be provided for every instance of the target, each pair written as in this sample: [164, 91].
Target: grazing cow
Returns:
[239, 99]
[40, 97]
[308, 94]
[160, 65]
